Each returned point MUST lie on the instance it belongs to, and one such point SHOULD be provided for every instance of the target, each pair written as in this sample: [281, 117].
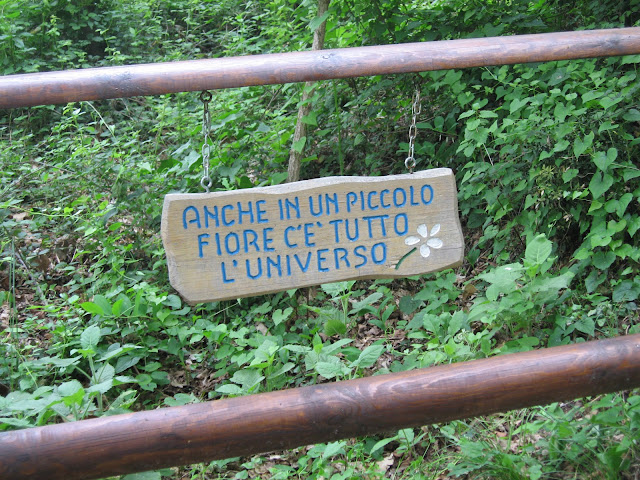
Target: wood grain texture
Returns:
[234, 244]
[259, 423]
[46, 88]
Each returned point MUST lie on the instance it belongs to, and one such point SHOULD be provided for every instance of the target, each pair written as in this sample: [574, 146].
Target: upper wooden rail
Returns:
[48, 88]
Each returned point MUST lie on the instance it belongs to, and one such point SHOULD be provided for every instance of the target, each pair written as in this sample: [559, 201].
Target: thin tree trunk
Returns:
[295, 158]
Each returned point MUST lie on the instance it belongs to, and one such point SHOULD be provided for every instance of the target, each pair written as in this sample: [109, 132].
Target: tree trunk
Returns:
[295, 158]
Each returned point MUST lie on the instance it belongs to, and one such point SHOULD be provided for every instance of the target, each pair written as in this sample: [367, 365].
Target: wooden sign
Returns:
[240, 243]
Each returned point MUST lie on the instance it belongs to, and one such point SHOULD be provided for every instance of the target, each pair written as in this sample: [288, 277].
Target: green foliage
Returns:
[546, 158]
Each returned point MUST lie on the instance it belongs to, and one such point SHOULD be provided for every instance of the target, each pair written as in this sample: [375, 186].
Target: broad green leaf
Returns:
[626, 291]
[517, 104]
[585, 325]
[633, 115]
[369, 356]
[280, 316]
[315, 23]
[502, 279]
[92, 308]
[381, 443]
[333, 448]
[334, 347]
[581, 145]
[328, 369]
[104, 373]
[603, 260]
[569, 175]
[334, 326]
[90, 337]
[538, 250]
[603, 161]
[366, 303]
[408, 304]
[229, 389]
[311, 119]
[248, 378]
[600, 183]
[298, 145]
[72, 392]
[337, 289]
[623, 203]
[283, 369]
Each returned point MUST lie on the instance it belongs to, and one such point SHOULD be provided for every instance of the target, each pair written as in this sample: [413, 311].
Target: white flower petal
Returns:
[425, 251]
[434, 243]
[411, 240]
[423, 231]
[435, 230]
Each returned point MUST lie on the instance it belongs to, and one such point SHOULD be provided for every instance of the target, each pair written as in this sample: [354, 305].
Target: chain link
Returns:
[416, 108]
[206, 182]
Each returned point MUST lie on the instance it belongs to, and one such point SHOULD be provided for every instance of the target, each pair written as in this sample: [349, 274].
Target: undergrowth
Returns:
[546, 159]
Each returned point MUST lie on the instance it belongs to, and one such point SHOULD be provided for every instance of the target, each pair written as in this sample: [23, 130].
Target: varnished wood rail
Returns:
[47, 88]
[254, 424]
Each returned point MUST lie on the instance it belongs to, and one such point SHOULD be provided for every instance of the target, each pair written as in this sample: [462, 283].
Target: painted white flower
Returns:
[428, 238]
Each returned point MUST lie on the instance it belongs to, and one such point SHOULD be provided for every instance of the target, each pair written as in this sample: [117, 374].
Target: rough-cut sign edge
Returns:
[292, 188]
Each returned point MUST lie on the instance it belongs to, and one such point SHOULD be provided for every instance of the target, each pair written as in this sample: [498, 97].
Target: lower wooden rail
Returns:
[254, 424]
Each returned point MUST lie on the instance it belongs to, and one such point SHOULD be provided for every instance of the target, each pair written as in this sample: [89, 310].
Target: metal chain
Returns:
[416, 108]
[206, 182]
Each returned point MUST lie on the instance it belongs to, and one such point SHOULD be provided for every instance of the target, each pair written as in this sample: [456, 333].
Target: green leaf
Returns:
[315, 23]
[280, 316]
[538, 250]
[626, 291]
[248, 378]
[229, 389]
[603, 260]
[623, 203]
[585, 325]
[333, 448]
[369, 356]
[298, 145]
[334, 326]
[311, 119]
[381, 443]
[603, 161]
[600, 183]
[329, 369]
[517, 104]
[92, 308]
[90, 337]
[580, 146]
[408, 304]
[569, 175]
[633, 115]
[72, 391]
[366, 303]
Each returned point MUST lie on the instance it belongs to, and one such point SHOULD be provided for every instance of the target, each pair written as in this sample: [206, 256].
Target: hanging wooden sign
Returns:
[233, 244]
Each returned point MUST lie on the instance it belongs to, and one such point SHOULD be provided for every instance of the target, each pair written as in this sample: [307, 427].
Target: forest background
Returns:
[546, 158]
